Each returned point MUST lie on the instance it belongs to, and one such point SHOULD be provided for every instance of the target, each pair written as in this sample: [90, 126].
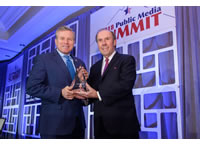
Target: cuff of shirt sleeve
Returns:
[99, 96]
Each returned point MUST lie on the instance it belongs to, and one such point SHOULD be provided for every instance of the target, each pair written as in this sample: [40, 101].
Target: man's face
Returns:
[106, 43]
[65, 41]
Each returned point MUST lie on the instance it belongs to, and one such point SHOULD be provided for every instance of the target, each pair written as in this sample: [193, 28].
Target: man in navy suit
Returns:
[61, 114]
[110, 85]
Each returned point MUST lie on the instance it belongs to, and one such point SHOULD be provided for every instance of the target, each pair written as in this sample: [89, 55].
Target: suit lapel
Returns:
[99, 65]
[62, 65]
[115, 57]
[76, 62]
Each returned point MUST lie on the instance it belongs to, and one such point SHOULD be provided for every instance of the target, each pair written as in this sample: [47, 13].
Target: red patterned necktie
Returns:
[106, 65]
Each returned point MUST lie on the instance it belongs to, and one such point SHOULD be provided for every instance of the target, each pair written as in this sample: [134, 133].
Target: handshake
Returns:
[79, 88]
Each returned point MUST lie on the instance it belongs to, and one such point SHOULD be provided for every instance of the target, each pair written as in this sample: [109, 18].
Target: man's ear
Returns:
[115, 43]
[56, 42]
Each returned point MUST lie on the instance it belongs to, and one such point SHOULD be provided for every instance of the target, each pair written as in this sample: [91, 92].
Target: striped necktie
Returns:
[106, 65]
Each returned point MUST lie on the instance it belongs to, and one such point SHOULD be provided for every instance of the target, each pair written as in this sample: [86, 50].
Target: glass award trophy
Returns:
[79, 81]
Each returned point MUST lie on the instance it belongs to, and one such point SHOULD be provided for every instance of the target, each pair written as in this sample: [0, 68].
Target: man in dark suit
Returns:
[110, 85]
[61, 114]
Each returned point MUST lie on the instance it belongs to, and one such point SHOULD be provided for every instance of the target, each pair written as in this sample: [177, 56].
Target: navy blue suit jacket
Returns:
[46, 80]
[117, 109]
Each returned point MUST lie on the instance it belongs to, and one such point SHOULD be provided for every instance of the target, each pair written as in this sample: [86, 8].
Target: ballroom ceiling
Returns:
[20, 25]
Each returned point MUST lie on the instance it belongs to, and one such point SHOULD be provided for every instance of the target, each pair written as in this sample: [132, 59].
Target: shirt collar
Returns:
[63, 55]
[110, 57]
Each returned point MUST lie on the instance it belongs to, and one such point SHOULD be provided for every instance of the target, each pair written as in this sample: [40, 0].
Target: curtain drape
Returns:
[188, 42]
[84, 38]
[3, 67]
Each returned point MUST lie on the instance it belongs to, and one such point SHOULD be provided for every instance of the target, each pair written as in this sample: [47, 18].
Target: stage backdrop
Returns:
[12, 95]
[149, 34]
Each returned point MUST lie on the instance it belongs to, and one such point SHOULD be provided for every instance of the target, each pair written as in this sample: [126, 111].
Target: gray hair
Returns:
[113, 34]
[64, 28]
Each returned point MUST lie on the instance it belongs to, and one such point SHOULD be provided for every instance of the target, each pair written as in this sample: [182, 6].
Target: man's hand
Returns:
[90, 93]
[67, 92]
[76, 94]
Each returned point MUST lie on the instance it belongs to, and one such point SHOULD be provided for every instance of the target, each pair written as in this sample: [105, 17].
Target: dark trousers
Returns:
[77, 133]
[102, 133]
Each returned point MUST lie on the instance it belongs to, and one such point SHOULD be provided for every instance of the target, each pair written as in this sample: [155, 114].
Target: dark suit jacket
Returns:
[117, 109]
[47, 78]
